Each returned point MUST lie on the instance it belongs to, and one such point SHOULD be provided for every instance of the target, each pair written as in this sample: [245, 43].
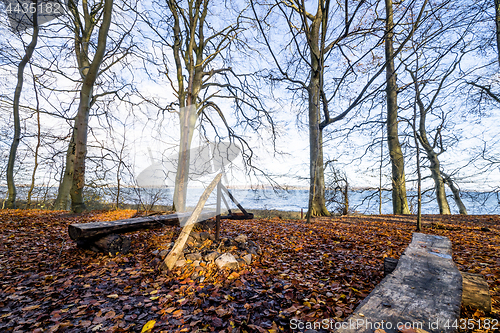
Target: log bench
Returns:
[102, 235]
[423, 292]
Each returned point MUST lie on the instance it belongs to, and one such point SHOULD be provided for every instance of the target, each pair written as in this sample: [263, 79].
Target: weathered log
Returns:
[476, 293]
[112, 244]
[475, 289]
[389, 265]
[99, 229]
[424, 291]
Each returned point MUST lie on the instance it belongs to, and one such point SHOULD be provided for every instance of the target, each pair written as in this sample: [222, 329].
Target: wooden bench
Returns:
[102, 235]
[423, 292]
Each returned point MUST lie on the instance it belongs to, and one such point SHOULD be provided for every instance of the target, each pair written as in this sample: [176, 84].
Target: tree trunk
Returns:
[497, 23]
[317, 202]
[444, 208]
[419, 174]
[399, 201]
[456, 194]
[346, 198]
[63, 200]
[38, 143]
[188, 116]
[11, 187]
[82, 117]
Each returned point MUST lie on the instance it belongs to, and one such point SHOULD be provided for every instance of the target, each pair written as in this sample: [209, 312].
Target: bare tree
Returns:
[399, 201]
[11, 200]
[90, 71]
[199, 44]
[432, 62]
[315, 40]
[96, 53]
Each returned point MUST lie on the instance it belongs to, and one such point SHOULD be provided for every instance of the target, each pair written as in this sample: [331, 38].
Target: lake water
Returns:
[362, 201]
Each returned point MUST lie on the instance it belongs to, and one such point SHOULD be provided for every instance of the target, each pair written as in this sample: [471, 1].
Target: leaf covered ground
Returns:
[307, 271]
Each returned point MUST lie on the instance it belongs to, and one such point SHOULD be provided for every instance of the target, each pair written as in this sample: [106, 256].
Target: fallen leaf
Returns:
[148, 326]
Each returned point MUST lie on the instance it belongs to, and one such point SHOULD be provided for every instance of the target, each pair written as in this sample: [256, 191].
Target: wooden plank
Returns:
[476, 293]
[424, 291]
[79, 231]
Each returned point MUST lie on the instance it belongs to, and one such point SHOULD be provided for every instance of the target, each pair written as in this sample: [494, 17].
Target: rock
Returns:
[180, 263]
[191, 241]
[242, 247]
[241, 238]
[227, 260]
[204, 235]
[259, 250]
[211, 256]
[163, 254]
[195, 235]
[193, 256]
[155, 252]
[256, 246]
[253, 251]
[248, 259]
[196, 263]
[155, 261]
[241, 262]
[211, 237]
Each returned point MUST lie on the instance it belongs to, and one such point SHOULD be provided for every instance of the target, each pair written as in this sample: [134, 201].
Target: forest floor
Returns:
[307, 271]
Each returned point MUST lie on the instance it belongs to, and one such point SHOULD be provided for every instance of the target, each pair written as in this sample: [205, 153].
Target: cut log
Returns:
[424, 291]
[94, 230]
[476, 293]
[389, 265]
[112, 244]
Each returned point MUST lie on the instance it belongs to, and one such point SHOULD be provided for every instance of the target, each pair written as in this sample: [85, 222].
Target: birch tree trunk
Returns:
[399, 201]
[11, 187]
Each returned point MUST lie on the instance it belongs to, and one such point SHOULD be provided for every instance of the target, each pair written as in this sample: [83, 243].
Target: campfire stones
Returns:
[241, 238]
[228, 253]
[193, 256]
[211, 256]
[227, 260]
[247, 258]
